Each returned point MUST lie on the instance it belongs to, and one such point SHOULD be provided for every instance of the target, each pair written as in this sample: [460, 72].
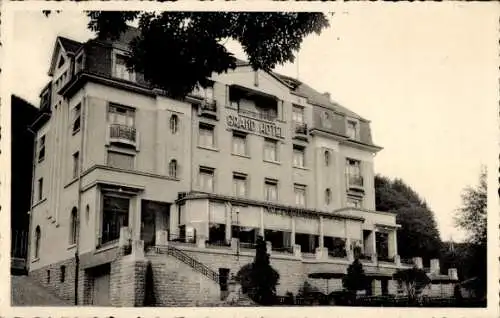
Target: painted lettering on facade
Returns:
[254, 126]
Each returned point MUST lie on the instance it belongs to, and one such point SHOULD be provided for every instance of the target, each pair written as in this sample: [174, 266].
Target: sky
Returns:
[425, 76]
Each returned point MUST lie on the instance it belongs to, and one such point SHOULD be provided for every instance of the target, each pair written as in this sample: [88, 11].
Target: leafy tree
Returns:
[259, 279]
[178, 51]
[418, 235]
[472, 217]
[355, 279]
[414, 279]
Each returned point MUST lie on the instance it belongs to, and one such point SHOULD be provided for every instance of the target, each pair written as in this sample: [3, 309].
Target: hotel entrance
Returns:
[155, 216]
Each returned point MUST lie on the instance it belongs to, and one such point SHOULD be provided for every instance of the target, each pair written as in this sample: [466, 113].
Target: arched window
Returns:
[174, 124]
[172, 168]
[73, 226]
[38, 234]
[328, 196]
[327, 158]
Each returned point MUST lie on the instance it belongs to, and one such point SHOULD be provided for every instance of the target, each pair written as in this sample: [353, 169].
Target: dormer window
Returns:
[352, 129]
[120, 69]
[326, 119]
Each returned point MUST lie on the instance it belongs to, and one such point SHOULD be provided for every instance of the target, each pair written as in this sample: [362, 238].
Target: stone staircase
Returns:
[233, 295]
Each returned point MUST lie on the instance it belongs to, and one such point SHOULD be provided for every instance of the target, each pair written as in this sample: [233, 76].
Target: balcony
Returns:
[208, 108]
[355, 182]
[300, 131]
[269, 115]
[123, 134]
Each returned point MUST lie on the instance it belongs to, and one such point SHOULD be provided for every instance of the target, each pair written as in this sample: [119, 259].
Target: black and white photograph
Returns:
[336, 158]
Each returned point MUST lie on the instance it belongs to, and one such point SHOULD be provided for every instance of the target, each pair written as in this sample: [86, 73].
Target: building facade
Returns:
[253, 154]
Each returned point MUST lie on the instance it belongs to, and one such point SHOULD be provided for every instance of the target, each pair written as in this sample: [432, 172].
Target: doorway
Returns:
[155, 216]
[100, 282]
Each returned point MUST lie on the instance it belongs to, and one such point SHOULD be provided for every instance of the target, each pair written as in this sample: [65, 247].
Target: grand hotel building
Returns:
[255, 153]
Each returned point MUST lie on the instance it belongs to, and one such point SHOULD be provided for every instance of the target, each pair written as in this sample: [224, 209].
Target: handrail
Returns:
[188, 260]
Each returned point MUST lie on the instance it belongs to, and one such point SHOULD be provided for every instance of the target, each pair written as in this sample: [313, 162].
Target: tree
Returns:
[472, 217]
[415, 280]
[355, 279]
[178, 51]
[259, 279]
[418, 235]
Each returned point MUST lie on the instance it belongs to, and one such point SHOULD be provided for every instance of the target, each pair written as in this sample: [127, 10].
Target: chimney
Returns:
[327, 95]
[435, 266]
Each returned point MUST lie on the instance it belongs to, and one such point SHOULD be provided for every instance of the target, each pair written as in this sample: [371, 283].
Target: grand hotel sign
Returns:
[254, 126]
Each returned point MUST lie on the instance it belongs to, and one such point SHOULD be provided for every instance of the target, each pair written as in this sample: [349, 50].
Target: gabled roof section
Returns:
[302, 89]
[317, 98]
[67, 45]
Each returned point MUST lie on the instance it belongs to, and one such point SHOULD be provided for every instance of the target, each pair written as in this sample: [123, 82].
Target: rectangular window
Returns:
[240, 184]
[76, 164]
[120, 160]
[352, 129]
[300, 194]
[271, 189]
[298, 114]
[115, 214]
[40, 189]
[239, 144]
[77, 112]
[270, 150]
[41, 149]
[298, 156]
[121, 115]
[206, 179]
[207, 136]
[120, 69]
[353, 167]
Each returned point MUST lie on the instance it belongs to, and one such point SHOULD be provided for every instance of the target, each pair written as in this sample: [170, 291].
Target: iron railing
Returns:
[122, 132]
[301, 128]
[263, 114]
[188, 260]
[285, 249]
[338, 253]
[209, 105]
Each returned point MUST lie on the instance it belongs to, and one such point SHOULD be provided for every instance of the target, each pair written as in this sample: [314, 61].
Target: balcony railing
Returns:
[301, 129]
[286, 249]
[122, 132]
[385, 259]
[355, 181]
[337, 253]
[208, 108]
[209, 105]
[263, 114]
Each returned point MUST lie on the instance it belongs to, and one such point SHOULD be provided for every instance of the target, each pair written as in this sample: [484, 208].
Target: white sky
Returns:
[426, 77]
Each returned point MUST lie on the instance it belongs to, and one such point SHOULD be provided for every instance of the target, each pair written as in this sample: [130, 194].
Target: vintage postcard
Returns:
[249, 159]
